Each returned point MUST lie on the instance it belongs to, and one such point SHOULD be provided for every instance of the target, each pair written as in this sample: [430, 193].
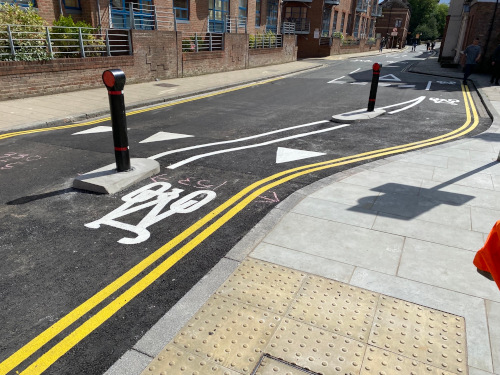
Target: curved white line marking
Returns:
[196, 157]
[333, 80]
[234, 140]
[409, 101]
[417, 101]
[354, 71]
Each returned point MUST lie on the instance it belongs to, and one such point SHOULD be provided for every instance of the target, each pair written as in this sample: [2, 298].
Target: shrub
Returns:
[64, 36]
[189, 44]
[338, 34]
[28, 33]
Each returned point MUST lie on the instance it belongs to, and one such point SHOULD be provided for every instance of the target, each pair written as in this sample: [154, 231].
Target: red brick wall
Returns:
[157, 55]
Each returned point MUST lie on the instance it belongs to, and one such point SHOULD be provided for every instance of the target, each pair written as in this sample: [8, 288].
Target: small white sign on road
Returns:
[390, 77]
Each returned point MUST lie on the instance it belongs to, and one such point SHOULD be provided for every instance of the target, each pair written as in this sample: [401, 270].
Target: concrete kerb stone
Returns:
[107, 180]
[358, 115]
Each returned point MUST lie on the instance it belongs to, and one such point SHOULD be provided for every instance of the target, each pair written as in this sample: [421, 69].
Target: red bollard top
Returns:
[114, 79]
[376, 67]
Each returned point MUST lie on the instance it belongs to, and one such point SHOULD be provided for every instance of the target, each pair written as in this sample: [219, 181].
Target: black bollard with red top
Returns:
[114, 79]
[373, 89]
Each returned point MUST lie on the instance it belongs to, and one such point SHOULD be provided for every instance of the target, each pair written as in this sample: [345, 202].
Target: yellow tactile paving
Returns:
[263, 285]
[316, 349]
[336, 307]
[229, 333]
[417, 332]
[311, 325]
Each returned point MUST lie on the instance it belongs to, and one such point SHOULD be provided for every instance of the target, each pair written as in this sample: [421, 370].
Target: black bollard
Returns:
[373, 89]
[114, 79]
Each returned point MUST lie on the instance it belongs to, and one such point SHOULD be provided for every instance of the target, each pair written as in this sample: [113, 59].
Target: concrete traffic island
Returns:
[107, 180]
[357, 115]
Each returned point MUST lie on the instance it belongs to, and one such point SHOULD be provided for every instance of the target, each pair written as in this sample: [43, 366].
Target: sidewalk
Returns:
[368, 271]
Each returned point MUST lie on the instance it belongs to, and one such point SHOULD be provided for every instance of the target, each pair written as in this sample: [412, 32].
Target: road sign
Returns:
[394, 33]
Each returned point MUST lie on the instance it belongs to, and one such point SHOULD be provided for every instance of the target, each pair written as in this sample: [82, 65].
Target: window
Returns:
[356, 27]
[398, 23]
[242, 8]
[257, 13]
[327, 14]
[217, 11]
[295, 13]
[181, 9]
[335, 16]
[72, 4]
[342, 23]
[21, 3]
[372, 24]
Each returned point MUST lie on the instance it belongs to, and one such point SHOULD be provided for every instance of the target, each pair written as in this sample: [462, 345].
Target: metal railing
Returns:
[197, 42]
[325, 41]
[236, 24]
[25, 42]
[332, 2]
[142, 17]
[265, 41]
[288, 28]
[350, 42]
[302, 25]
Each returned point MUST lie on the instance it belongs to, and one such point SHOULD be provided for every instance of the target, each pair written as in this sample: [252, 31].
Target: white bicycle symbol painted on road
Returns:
[445, 101]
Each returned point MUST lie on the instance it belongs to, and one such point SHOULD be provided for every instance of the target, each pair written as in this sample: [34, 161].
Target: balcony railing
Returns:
[332, 2]
[143, 17]
[236, 25]
[362, 6]
[288, 28]
[302, 25]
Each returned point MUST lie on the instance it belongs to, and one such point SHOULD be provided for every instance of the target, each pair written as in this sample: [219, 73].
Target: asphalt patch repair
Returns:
[268, 319]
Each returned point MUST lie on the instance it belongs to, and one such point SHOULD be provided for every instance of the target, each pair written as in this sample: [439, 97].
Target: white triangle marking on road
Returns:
[97, 129]
[164, 136]
[390, 77]
[284, 154]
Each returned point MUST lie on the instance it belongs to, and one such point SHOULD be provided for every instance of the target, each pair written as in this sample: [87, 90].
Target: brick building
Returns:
[393, 26]
[312, 21]
[467, 20]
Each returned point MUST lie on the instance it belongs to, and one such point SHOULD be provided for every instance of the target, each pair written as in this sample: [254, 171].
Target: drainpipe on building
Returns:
[489, 32]
[98, 14]
[60, 9]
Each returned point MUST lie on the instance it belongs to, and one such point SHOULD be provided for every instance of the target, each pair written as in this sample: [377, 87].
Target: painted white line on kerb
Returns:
[429, 86]
[196, 157]
[234, 140]
[336, 79]
[418, 101]
[354, 71]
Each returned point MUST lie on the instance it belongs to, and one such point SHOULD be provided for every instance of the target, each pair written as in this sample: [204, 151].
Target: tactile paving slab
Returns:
[316, 349]
[382, 362]
[336, 307]
[264, 285]
[228, 333]
[422, 334]
[175, 361]
[270, 366]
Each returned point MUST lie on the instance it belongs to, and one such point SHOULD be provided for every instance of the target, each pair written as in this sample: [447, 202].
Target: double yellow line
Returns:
[207, 225]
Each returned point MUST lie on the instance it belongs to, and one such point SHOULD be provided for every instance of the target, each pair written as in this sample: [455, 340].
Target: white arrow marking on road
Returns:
[336, 79]
[390, 77]
[284, 154]
[359, 83]
[196, 157]
[97, 129]
[154, 157]
[165, 136]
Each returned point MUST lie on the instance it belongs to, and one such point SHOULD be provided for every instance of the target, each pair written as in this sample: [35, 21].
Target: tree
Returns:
[428, 30]
[441, 13]
[420, 10]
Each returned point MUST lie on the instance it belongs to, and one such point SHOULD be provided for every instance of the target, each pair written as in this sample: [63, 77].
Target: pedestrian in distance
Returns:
[428, 45]
[414, 45]
[470, 58]
[382, 44]
[495, 64]
[433, 45]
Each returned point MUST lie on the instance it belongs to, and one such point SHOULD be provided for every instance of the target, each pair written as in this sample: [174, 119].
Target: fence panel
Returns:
[197, 42]
[265, 41]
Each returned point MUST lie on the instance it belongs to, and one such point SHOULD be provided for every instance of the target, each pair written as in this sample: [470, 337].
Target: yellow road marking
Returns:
[70, 318]
[170, 104]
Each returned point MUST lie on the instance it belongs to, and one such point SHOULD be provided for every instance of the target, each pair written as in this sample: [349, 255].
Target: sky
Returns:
[444, 2]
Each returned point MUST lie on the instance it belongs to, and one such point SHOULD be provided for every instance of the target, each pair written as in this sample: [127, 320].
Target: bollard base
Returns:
[107, 180]
[358, 115]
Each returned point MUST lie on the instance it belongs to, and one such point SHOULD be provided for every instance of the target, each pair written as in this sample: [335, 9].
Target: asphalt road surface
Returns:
[83, 276]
